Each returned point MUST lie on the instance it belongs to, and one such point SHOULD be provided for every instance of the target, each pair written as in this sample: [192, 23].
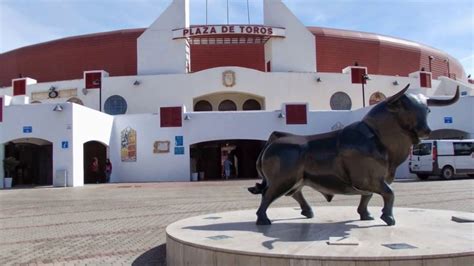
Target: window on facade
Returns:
[115, 105]
[251, 104]
[227, 105]
[75, 100]
[296, 114]
[340, 101]
[376, 97]
[202, 106]
[171, 116]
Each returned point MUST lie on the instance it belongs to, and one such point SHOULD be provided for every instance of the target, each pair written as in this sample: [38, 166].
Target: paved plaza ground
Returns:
[125, 223]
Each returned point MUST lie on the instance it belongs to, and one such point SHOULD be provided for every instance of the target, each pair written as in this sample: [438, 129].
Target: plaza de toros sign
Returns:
[209, 30]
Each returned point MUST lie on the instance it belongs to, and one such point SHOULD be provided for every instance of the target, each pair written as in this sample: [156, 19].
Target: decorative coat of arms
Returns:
[228, 78]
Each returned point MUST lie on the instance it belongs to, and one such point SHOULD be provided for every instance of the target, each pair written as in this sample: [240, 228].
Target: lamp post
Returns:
[449, 71]
[430, 59]
[365, 77]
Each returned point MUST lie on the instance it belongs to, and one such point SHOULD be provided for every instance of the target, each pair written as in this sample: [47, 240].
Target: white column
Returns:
[157, 52]
[297, 51]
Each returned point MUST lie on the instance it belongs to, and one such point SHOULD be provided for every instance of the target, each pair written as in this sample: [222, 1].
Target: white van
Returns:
[445, 158]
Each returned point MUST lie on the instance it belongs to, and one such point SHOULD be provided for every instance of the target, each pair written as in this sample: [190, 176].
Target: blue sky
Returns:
[445, 25]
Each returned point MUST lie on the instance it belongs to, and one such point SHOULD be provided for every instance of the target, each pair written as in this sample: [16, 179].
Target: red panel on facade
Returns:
[93, 80]
[170, 117]
[336, 49]
[116, 52]
[242, 55]
[19, 87]
[357, 74]
[68, 58]
[296, 114]
[1, 109]
[425, 80]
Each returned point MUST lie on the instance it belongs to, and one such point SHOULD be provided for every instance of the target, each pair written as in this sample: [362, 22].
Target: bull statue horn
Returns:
[397, 96]
[438, 102]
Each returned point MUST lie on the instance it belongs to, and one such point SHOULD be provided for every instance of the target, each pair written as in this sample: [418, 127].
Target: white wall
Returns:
[297, 51]
[46, 124]
[75, 124]
[274, 87]
[225, 125]
[157, 52]
[89, 125]
[149, 166]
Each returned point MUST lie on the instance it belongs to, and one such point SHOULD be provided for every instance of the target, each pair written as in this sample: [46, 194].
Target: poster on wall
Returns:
[178, 140]
[161, 146]
[128, 149]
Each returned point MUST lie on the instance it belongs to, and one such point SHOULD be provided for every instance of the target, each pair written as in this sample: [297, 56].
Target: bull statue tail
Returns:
[259, 188]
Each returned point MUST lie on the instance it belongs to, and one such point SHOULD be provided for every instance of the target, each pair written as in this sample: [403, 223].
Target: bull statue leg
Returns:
[270, 194]
[388, 199]
[268, 197]
[305, 208]
[362, 209]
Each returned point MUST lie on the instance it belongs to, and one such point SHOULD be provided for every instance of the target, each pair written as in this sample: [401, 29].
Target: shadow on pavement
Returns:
[154, 256]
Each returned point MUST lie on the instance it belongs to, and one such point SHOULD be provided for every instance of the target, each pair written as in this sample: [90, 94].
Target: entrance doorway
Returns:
[34, 159]
[94, 149]
[208, 158]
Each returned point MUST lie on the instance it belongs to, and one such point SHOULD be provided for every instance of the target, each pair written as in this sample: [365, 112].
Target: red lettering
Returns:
[231, 29]
[185, 32]
[270, 31]
[213, 30]
[191, 32]
[255, 30]
[248, 29]
[263, 30]
[198, 31]
[205, 30]
[242, 29]
[224, 29]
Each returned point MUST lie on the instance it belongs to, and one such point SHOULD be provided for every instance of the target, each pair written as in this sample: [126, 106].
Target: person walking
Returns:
[227, 167]
[108, 170]
[95, 169]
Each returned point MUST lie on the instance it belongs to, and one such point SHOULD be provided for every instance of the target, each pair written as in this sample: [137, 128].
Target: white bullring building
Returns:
[172, 101]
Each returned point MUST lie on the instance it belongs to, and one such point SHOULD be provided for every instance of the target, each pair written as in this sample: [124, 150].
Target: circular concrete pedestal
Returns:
[334, 237]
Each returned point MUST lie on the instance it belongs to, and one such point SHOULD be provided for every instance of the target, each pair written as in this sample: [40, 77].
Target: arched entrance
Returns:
[34, 161]
[207, 158]
[448, 134]
[94, 149]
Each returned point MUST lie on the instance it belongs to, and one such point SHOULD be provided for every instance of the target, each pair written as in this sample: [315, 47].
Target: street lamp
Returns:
[447, 62]
[365, 77]
[430, 59]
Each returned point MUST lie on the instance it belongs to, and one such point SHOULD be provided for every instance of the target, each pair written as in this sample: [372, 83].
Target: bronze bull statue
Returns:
[359, 159]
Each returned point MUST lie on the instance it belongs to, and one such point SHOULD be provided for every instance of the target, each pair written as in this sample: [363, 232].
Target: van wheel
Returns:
[422, 177]
[471, 175]
[447, 172]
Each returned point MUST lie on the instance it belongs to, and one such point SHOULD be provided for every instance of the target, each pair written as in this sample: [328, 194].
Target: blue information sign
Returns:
[179, 150]
[178, 140]
[448, 120]
[27, 129]
[65, 144]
